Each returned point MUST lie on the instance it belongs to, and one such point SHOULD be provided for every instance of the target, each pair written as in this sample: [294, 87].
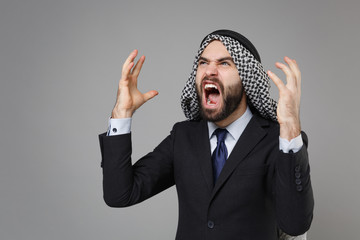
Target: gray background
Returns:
[60, 62]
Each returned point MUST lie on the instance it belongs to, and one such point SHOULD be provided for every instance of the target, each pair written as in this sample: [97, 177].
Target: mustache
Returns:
[213, 79]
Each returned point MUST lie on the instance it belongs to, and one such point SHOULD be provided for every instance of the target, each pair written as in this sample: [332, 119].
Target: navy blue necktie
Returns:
[220, 153]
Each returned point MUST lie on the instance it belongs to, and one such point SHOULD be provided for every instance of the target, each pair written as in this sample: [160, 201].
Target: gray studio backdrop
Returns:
[60, 62]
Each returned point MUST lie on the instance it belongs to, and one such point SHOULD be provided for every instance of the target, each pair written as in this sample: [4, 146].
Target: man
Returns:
[240, 164]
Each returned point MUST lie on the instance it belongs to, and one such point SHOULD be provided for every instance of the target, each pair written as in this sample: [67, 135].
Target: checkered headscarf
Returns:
[255, 81]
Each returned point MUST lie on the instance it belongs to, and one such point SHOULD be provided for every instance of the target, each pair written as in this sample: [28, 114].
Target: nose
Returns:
[211, 69]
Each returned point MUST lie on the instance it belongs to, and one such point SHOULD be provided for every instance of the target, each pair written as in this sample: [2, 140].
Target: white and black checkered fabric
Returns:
[254, 79]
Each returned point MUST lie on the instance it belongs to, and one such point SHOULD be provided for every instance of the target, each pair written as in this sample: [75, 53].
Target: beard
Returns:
[231, 98]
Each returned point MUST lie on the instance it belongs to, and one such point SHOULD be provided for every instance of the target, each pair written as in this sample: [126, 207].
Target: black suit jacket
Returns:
[259, 190]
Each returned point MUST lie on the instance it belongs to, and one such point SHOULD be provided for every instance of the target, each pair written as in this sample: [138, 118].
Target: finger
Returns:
[138, 66]
[279, 84]
[129, 61]
[297, 73]
[294, 67]
[149, 95]
[131, 57]
[290, 76]
[126, 71]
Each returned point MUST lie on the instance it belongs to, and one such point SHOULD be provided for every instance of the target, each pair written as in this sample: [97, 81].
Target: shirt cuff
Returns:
[293, 145]
[118, 126]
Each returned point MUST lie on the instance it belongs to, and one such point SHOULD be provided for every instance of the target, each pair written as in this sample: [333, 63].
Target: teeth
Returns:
[210, 85]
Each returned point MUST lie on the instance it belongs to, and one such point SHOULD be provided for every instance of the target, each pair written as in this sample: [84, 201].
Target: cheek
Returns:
[199, 74]
[234, 79]
[198, 80]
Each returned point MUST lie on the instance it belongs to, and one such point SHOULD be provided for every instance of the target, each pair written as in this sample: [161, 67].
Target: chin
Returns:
[213, 115]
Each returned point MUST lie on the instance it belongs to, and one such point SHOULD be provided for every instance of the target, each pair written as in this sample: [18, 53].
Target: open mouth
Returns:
[211, 94]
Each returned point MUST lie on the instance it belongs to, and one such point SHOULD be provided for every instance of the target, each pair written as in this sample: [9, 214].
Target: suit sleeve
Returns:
[294, 196]
[125, 184]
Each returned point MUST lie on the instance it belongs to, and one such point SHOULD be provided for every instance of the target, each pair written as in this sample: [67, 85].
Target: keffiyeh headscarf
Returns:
[255, 81]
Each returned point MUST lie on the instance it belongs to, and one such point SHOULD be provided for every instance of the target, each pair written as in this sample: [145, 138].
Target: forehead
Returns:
[215, 50]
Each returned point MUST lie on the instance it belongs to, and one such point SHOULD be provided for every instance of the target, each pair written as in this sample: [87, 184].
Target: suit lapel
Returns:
[252, 134]
[203, 154]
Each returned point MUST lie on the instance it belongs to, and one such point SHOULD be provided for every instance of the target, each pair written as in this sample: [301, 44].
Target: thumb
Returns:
[150, 94]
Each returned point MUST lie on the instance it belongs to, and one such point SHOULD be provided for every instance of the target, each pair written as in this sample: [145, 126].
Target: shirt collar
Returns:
[236, 128]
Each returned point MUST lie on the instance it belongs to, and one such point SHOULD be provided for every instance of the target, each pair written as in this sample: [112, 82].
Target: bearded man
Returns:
[240, 164]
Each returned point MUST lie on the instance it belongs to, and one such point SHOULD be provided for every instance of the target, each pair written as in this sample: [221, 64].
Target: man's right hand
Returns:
[129, 98]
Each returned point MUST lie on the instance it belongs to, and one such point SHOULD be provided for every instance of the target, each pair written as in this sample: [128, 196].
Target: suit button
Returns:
[211, 224]
[297, 168]
[299, 188]
[297, 175]
[298, 181]
[114, 130]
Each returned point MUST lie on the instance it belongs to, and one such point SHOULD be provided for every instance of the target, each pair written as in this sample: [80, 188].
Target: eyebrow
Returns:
[218, 60]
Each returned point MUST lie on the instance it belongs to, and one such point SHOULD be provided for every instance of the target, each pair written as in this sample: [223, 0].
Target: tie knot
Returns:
[220, 134]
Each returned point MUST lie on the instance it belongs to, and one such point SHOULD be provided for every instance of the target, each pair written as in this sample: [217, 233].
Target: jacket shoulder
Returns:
[189, 124]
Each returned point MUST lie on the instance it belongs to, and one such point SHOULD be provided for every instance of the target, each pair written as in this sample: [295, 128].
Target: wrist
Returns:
[290, 130]
[122, 113]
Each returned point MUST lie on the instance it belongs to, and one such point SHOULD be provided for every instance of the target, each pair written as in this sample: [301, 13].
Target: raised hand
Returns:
[288, 110]
[129, 98]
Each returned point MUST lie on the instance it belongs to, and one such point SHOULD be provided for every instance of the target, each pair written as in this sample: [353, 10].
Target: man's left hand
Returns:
[288, 110]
